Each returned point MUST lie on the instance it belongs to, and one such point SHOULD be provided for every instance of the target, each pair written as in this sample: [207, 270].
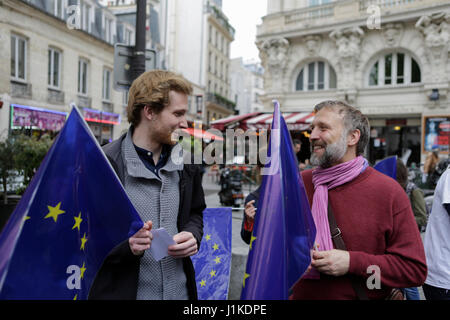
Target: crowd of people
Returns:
[378, 218]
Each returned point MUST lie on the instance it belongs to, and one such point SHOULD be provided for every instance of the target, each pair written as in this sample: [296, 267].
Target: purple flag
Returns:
[284, 230]
[388, 166]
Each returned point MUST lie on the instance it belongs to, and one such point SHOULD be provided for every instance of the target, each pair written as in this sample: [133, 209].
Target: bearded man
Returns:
[372, 211]
[165, 193]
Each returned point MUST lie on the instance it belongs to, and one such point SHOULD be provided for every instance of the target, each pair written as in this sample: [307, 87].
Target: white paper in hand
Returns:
[161, 241]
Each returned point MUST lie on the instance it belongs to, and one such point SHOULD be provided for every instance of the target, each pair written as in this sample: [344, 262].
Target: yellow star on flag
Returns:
[26, 218]
[246, 275]
[215, 246]
[217, 260]
[83, 241]
[208, 237]
[251, 241]
[77, 222]
[82, 269]
[212, 273]
[202, 283]
[54, 212]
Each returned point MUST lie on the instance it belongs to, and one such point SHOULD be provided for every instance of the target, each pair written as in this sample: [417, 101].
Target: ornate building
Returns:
[389, 58]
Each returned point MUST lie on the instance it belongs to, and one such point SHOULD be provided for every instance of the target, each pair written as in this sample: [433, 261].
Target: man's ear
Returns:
[147, 113]
[353, 138]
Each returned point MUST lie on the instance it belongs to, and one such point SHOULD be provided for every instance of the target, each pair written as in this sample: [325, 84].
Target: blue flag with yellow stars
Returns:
[284, 230]
[73, 213]
[388, 166]
[213, 261]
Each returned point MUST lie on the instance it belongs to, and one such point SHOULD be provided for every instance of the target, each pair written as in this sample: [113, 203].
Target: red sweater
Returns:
[378, 228]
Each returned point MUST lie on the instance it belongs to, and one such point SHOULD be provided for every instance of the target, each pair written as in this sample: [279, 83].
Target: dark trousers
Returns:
[435, 293]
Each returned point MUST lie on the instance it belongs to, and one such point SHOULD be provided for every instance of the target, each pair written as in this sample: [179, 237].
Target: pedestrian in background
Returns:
[415, 195]
[251, 202]
[437, 243]
[429, 166]
[418, 206]
[297, 148]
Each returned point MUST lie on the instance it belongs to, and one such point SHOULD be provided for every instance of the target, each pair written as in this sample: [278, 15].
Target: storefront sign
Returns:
[436, 133]
[44, 119]
[396, 122]
[101, 116]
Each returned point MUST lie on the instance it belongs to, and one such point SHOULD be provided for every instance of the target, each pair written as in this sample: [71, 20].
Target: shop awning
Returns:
[294, 120]
[36, 118]
[202, 134]
[221, 124]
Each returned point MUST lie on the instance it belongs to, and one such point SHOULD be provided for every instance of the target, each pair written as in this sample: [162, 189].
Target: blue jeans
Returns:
[435, 293]
[411, 293]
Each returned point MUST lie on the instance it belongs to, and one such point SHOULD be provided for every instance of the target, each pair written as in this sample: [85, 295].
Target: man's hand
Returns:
[141, 240]
[186, 245]
[333, 262]
[250, 210]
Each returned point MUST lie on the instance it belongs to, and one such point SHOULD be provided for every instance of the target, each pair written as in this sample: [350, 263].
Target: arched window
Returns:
[394, 69]
[317, 75]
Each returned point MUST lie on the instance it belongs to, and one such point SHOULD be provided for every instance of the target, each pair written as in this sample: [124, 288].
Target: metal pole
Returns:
[138, 66]
[101, 127]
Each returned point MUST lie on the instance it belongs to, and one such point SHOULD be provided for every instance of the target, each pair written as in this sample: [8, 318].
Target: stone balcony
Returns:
[218, 100]
[55, 96]
[221, 19]
[343, 13]
[21, 89]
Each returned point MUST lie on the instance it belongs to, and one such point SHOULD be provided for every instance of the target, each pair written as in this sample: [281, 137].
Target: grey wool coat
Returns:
[118, 277]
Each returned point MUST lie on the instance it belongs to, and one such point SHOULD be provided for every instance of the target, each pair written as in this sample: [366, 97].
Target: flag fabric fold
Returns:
[74, 212]
[284, 231]
[388, 166]
[212, 263]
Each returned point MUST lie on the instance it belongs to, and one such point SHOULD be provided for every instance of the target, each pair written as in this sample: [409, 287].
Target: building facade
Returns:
[247, 85]
[200, 51]
[54, 53]
[191, 38]
[220, 34]
[390, 59]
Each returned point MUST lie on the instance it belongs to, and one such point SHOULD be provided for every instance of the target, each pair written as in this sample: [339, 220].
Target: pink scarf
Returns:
[324, 180]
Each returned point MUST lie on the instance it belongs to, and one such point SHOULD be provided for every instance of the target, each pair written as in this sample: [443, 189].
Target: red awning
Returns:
[294, 120]
[221, 124]
[202, 134]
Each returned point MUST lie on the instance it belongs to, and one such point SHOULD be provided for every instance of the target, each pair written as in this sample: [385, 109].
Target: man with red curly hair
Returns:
[166, 195]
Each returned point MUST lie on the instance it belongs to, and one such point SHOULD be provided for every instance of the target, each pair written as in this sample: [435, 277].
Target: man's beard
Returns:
[332, 154]
[165, 137]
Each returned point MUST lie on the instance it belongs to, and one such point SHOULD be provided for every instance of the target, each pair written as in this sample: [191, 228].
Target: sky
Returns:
[244, 15]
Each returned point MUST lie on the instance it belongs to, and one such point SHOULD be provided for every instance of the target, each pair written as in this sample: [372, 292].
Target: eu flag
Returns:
[284, 231]
[74, 212]
[212, 263]
[388, 166]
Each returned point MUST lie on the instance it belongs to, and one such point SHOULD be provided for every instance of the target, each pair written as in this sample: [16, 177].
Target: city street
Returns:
[346, 85]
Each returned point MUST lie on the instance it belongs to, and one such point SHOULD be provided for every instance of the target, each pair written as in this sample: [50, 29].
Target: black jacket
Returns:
[118, 277]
